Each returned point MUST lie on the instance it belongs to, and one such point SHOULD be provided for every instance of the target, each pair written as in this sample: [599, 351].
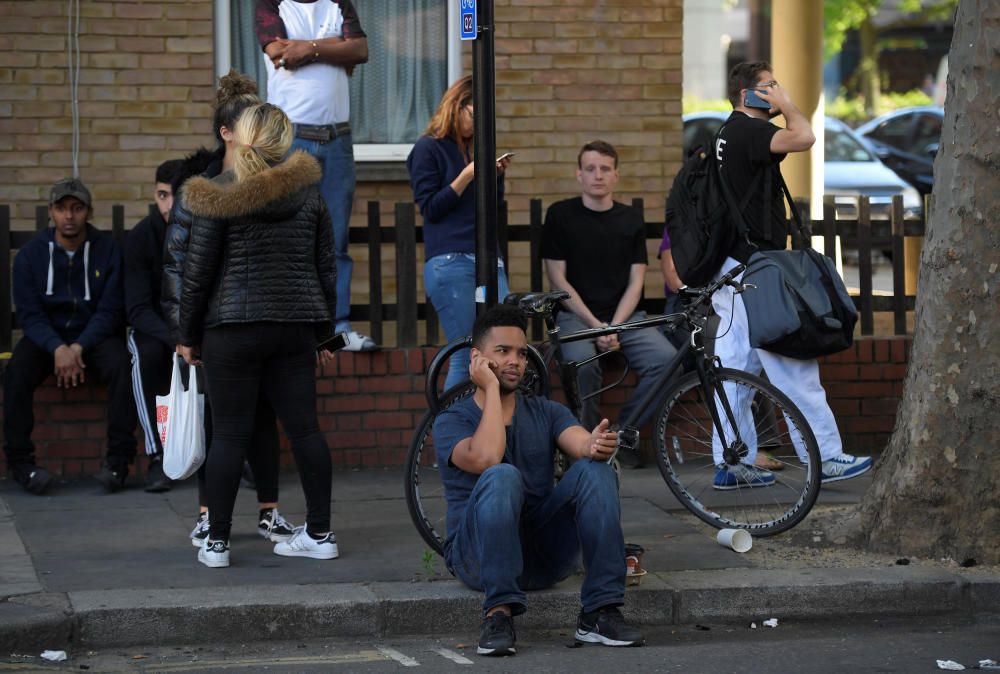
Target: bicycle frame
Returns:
[733, 452]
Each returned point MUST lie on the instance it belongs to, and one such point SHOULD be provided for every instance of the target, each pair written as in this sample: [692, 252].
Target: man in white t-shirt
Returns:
[310, 49]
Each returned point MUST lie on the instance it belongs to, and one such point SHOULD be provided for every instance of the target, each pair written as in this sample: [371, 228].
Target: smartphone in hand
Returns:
[505, 155]
[335, 343]
[752, 100]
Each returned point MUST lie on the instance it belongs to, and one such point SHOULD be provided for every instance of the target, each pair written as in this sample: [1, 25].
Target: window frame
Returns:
[363, 152]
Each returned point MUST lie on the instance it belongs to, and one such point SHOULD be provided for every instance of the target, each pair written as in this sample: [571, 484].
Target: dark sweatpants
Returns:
[30, 365]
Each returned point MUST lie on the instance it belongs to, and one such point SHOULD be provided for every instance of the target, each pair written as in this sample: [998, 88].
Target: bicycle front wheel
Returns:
[714, 483]
[423, 486]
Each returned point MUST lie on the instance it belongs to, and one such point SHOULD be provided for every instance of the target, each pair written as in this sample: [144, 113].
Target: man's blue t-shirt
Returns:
[531, 443]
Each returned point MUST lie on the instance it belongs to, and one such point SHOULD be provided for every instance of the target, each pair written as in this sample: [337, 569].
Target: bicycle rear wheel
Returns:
[422, 479]
[684, 452]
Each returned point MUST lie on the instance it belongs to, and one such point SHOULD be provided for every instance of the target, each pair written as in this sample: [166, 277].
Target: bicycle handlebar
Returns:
[698, 295]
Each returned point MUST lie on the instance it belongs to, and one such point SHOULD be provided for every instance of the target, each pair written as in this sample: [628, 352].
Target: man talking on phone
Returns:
[748, 146]
[509, 527]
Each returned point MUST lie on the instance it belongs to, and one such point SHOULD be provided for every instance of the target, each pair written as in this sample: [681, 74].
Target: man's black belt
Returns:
[321, 132]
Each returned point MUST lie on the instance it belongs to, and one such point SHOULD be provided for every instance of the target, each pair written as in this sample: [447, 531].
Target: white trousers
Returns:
[798, 379]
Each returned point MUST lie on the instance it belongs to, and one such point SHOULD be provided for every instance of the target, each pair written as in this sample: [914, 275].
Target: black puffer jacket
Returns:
[207, 163]
[260, 250]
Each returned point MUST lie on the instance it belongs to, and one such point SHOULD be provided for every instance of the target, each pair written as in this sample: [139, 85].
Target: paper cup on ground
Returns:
[735, 539]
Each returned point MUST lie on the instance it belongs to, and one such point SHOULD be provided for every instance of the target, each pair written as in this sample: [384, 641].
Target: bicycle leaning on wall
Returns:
[711, 424]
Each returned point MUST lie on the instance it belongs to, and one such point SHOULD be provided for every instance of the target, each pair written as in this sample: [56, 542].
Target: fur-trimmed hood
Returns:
[266, 193]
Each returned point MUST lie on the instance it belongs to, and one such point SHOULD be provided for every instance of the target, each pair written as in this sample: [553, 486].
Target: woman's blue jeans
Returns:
[504, 547]
[450, 283]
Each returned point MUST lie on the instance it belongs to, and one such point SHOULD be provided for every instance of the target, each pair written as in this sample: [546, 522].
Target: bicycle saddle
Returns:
[536, 303]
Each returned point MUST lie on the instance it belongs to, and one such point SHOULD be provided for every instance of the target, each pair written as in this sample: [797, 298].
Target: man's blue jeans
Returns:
[450, 283]
[504, 547]
[336, 158]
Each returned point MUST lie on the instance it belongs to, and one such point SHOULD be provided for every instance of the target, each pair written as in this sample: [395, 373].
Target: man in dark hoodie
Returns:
[149, 340]
[68, 293]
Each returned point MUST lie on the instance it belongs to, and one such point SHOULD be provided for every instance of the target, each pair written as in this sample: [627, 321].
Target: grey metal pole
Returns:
[484, 100]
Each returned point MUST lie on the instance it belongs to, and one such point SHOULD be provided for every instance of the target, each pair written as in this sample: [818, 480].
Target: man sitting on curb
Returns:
[510, 528]
[68, 293]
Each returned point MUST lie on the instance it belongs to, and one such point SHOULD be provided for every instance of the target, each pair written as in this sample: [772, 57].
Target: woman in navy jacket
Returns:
[442, 176]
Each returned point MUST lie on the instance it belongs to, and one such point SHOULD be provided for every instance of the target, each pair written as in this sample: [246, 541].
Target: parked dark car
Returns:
[907, 141]
[850, 168]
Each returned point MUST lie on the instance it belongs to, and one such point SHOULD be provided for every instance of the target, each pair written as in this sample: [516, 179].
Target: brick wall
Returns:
[146, 71]
[370, 404]
[567, 71]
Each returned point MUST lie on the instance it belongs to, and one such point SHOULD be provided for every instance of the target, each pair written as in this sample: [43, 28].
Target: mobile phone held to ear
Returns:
[752, 100]
[505, 155]
[335, 343]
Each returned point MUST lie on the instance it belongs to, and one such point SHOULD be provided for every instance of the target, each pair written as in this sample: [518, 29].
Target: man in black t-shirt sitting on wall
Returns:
[594, 248]
[748, 145]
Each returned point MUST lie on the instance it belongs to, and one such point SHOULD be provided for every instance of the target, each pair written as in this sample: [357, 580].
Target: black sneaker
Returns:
[156, 480]
[607, 626]
[34, 479]
[274, 527]
[496, 636]
[112, 478]
[200, 532]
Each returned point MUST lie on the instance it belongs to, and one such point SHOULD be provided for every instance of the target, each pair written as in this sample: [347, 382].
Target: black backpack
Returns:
[700, 217]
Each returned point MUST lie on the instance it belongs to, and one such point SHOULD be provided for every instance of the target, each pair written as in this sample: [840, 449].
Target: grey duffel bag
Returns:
[800, 307]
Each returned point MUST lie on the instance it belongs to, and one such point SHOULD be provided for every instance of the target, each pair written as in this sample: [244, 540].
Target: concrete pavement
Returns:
[83, 569]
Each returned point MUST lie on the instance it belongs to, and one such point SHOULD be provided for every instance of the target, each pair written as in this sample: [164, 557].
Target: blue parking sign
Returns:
[468, 19]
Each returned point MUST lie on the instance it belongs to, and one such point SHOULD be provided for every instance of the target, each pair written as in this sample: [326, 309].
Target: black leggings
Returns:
[262, 455]
[278, 361]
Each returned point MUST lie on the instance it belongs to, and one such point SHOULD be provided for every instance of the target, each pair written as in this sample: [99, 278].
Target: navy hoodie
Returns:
[61, 300]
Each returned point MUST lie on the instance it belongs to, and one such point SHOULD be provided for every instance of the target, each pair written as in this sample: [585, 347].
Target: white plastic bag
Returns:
[180, 422]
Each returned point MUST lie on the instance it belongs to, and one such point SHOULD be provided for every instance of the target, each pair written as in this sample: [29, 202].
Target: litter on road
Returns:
[54, 656]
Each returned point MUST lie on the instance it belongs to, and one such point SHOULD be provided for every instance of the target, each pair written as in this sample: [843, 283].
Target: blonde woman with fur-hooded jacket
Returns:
[259, 293]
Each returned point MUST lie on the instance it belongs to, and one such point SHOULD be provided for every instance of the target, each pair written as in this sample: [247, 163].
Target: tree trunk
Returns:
[936, 491]
[868, 72]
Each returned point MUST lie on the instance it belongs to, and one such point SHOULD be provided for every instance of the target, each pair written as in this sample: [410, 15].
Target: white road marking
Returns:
[404, 660]
[453, 656]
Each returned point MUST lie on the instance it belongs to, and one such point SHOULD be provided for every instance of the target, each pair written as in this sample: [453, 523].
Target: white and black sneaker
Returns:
[274, 527]
[200, 531]
[304, 545]
[214, 554]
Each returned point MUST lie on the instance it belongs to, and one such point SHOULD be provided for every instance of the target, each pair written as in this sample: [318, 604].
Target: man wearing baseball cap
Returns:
[68, 293]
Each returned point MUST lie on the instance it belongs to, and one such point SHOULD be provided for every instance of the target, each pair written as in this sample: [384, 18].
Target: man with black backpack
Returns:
[748, 151]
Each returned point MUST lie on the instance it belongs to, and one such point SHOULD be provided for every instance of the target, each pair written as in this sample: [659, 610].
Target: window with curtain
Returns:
[393, 95]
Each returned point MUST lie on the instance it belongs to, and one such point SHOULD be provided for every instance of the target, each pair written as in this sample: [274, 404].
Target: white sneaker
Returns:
[358, 342]
[214, 554]
[844, 467]
[303, 545]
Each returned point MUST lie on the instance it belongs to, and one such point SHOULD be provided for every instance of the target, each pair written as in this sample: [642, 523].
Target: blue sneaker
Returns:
[844, 467]
[740, 476]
